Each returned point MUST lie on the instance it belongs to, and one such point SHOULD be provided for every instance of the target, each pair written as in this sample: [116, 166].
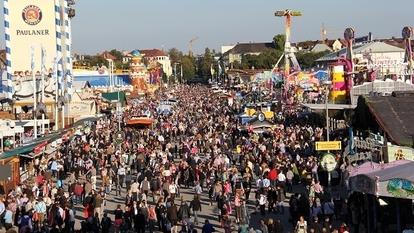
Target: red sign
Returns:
[40, 147]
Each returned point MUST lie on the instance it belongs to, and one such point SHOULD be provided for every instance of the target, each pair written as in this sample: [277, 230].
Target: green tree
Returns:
[204, 64]
[117, 54]
[307, 59]
[97, 61]
[279, 41]
[175, 55]
[188, 64]
[266, 60]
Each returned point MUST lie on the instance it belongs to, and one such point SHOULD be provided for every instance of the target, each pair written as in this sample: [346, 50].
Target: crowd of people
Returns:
[199, 149]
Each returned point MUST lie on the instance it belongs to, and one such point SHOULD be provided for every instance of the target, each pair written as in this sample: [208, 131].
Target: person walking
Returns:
[118, 218]
[208, 227]
[106, 223]
[152, 218]
[195, 206]
[301, 225]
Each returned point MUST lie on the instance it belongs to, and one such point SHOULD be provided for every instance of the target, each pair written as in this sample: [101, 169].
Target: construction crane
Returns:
[289, 51]
[190, 46]
[329, 32]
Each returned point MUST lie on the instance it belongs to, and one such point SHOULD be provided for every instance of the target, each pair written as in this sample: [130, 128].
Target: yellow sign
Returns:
[332, 145]
[250, 111]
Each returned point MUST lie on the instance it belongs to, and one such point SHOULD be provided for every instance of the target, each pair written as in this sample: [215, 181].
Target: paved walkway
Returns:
[208, 211]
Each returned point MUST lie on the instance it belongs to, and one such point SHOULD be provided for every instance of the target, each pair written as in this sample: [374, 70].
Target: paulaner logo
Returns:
[32, 15]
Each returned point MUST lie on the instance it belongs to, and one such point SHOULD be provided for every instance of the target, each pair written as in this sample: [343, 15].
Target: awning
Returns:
[394, 179]
[140, 121]
[115, 97]
[19, 151]
[42, 142]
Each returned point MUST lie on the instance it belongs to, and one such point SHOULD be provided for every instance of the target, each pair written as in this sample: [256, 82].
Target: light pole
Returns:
[55, 74]
[34, 94]
[111, 66]
[181, 74]
[119, 110]
[327, 85]
[175, 71]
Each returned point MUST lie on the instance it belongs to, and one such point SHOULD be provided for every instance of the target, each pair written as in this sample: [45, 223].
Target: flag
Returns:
[211, 70]
[43, 60]
[32, 59]
[219, 68]
[56, 74]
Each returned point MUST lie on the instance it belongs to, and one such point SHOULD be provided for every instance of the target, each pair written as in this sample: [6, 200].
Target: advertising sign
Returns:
[31, 24]
[399, 153]
[331, 145]
[401, 188]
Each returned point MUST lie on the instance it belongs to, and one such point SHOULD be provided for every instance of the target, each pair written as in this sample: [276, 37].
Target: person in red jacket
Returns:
[78, 191]
[272, 176]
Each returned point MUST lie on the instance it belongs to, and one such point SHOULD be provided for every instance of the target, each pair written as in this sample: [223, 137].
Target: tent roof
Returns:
[48, 138]
[395, 115]
[113, 97]
[371, 47]
[390, 180]
[403, 170]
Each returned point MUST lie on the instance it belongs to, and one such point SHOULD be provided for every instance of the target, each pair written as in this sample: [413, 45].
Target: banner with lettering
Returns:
[30, 23]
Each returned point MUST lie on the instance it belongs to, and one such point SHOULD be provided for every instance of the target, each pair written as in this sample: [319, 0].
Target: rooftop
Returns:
[395, 115]
[242, 48]
[372, 47]
[153, 53]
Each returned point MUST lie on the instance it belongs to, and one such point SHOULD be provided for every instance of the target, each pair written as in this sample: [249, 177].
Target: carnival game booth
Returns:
[382, 196]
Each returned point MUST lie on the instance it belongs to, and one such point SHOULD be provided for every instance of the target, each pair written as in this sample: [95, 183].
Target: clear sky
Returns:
[129, 24]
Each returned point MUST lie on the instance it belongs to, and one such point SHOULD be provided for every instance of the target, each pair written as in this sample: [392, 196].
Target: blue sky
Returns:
[129, 24]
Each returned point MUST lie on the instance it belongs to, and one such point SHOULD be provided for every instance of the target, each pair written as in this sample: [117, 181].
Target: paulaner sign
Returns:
[31, 23]
[32, 32]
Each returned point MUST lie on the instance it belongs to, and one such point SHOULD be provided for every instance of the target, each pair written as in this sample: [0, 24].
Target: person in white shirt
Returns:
[281, 178]
[259, 183]
[172, 190]
[266, 183]
[262, 204]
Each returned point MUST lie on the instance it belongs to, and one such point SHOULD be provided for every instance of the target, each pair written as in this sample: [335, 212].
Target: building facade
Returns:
[156, 55]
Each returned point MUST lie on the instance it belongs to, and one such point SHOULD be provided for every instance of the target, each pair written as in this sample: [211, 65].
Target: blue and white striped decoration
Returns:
[8, 88]
[58, 19]
[68, 49]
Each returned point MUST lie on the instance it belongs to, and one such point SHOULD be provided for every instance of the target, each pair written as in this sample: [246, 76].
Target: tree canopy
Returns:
[188, 64]
[307, 59]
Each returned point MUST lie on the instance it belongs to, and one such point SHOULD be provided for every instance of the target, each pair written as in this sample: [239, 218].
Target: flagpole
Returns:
[181, 74]
[34, 95]
[63, 108]
[55, 74]
[43, 89]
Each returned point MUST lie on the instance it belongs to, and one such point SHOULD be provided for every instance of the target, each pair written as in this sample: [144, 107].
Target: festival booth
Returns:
[306, 86]
[260, 123]
[140, 121]
[385, 192]
[9, 132]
